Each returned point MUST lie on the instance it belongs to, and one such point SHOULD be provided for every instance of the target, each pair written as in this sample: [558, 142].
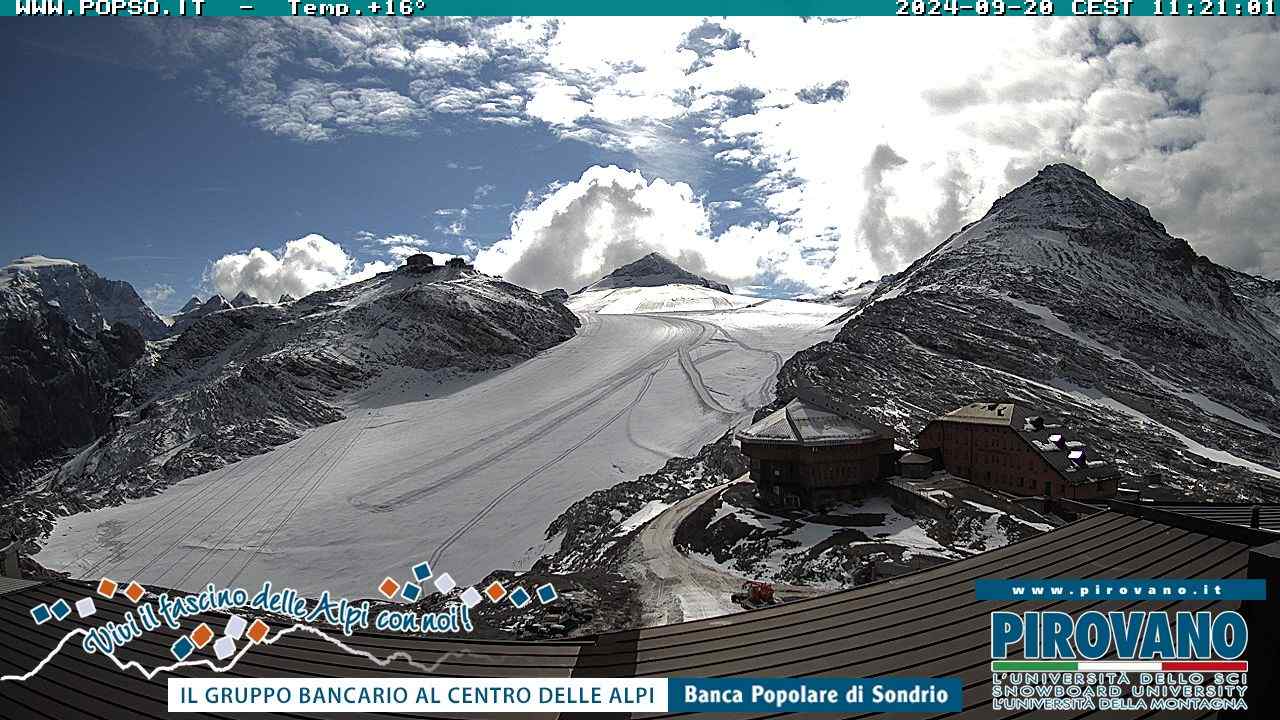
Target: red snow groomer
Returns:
[754, 594]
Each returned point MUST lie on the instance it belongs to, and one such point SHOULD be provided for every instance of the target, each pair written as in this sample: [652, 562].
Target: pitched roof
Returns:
[803, 422]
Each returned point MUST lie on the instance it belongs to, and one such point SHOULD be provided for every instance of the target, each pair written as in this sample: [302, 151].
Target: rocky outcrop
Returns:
[591, 525]
[57, 387]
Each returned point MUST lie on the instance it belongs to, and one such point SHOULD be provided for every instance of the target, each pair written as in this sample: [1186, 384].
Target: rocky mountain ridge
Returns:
[1079, 303]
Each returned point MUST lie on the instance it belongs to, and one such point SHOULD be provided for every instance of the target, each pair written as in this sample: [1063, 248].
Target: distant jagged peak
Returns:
[653, 270]
[242, 299]
[215, 302]
[192, 304]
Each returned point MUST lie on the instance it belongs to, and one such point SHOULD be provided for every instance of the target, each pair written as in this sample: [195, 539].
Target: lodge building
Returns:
[814, 451]
[1004, 446]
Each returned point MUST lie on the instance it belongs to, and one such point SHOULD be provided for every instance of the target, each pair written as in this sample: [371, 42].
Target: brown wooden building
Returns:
[1004, 446]
[814, 451]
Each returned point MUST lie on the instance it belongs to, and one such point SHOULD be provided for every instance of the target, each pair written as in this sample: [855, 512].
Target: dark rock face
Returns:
[1080, 304]
[557, 294]
[650, 271]
[88, 300]
[56, 387]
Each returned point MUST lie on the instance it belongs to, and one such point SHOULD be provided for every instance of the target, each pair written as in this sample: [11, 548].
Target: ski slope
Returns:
[663, 298]
[467, 474]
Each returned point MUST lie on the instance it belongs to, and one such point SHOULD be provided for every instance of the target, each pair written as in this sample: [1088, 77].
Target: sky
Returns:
[784, 156]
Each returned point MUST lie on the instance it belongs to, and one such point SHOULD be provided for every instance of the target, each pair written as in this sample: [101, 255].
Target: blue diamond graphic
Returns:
[520, 597]
[546, 593]
[411, 591]
[422, 572]
[182, 648]
[40, 614]
[60, 609]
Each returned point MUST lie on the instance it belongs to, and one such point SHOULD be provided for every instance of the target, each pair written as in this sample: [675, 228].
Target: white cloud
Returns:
[395, 248]
[609, 217]
[157, 294]
[301, 267]
[1180, 116]
[400, 252]
[398, 240]
[556, 102]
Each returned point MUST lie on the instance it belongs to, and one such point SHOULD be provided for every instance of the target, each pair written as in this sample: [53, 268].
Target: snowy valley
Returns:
[421, 444]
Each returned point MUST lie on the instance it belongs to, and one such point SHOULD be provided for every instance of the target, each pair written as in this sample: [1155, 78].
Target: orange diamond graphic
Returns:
[201, 635]
[258, 630]
[495, 591]
[388, 588]
[134, 592]
[107, 587]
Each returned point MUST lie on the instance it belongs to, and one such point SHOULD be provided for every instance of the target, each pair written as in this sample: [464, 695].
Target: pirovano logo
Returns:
[1120, 660]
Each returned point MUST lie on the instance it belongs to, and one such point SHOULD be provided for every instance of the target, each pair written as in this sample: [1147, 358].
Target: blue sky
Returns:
[280, 155]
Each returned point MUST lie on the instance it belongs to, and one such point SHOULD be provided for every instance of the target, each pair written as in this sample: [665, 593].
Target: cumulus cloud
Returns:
[609, 217]
[301, 267]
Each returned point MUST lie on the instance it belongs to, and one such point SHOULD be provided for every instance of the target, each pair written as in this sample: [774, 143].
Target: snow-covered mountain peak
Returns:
[88, 300]
[195, 309]
[653, 270]
[31, 262]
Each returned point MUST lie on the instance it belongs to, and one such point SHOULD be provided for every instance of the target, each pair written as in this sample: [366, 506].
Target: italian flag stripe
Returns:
[1119, 666]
